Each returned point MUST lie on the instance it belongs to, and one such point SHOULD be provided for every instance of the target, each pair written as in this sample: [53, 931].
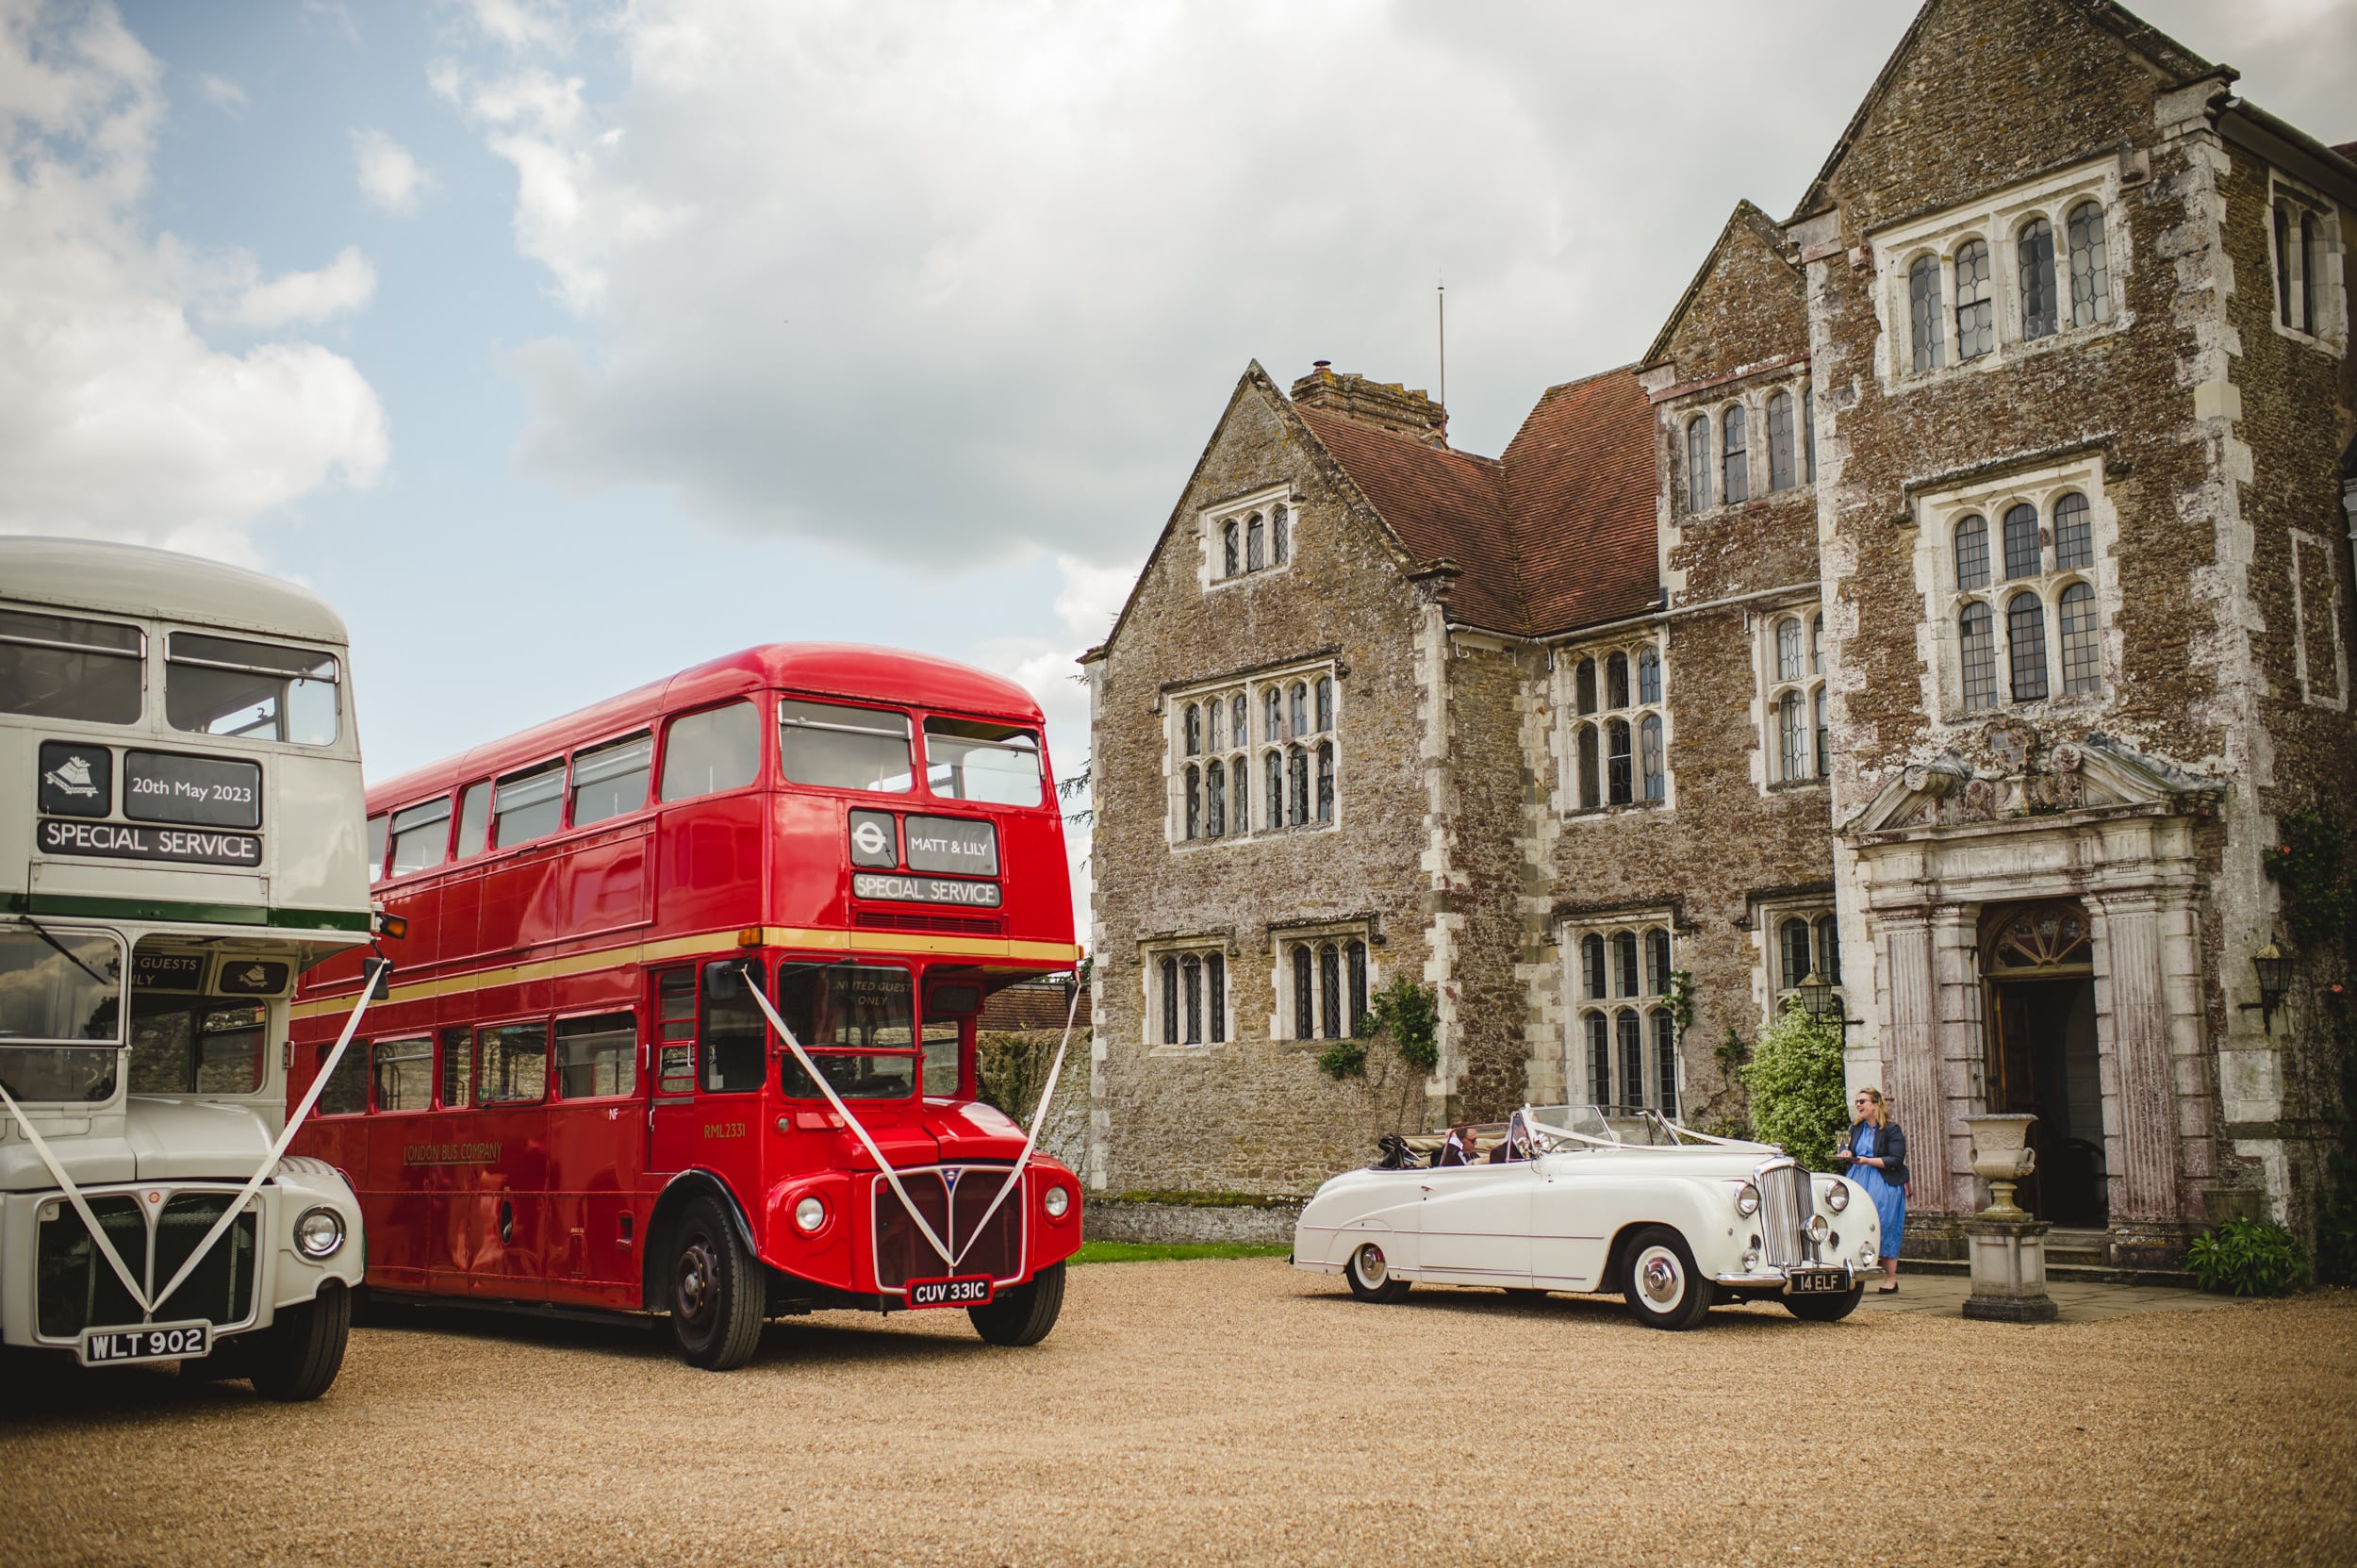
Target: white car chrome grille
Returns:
[1785, 1202]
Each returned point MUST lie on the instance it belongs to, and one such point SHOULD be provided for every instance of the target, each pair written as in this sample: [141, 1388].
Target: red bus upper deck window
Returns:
[474, 819]
[612, 778]
[709, 751]
[840, 748]
[966, 760]
[858, 1021]
[528, 805]
[421, 836]
[376, 845]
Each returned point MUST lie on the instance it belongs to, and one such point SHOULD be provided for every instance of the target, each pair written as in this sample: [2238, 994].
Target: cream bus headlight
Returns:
[1747, 1200]
[1837, 1196]
[1058, 1201]
[808, 1214]
[319, 1233]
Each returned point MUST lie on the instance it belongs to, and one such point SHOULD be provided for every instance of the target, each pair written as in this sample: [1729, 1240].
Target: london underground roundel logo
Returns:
[868, 839]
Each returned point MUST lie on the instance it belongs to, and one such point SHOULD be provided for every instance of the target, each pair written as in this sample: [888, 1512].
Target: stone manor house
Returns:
[1947, 601]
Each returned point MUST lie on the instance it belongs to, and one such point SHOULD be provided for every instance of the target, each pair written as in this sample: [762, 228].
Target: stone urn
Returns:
[2001, 1156]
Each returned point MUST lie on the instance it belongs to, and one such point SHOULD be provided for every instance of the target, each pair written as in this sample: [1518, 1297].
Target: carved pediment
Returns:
[2011, 773]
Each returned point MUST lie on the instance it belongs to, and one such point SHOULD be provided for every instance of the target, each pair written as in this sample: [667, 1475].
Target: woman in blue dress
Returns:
[1877, 1156]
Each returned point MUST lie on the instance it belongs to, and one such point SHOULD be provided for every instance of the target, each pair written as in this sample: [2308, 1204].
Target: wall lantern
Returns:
[1819, 998]
[2275, 982]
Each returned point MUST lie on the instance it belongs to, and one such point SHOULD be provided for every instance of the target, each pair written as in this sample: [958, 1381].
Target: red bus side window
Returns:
[709, 751]
[675, 1032]
[735, 1037]
[528, 805]
[515, 1064]
[945, 1038]
[597, 1056]
[457, 1068]
[347, 1092]
[474, 819]
[611, 780]
[378, 827]
[404, 1074]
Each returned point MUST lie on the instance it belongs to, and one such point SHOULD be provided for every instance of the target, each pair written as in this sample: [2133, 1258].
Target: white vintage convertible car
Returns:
[1597, 1198]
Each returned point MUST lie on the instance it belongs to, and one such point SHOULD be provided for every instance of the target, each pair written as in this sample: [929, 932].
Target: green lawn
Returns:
[1155, 1252]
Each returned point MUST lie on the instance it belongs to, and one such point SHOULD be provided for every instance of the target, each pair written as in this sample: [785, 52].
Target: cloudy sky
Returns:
[564, 346]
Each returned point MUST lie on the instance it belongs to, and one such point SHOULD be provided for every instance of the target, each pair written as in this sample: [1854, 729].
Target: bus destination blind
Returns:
[925, 891]
[135, 841]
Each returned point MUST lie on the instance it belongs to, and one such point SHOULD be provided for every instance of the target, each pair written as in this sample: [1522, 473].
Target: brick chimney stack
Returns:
[1382, 405]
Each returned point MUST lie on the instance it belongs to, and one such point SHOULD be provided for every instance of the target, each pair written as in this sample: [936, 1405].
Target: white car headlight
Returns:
[1747, 1200]
[1837, 1196]
[810, 1213]
[319, 1233]
[1058, 1201]
[1818, 1229]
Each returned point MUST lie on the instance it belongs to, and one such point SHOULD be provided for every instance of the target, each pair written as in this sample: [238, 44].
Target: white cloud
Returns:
[116, 419]
[390, 176]
[522, 24]
[344, 284]
[220, 93]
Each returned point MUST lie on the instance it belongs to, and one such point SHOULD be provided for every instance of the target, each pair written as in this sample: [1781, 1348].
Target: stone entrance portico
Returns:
[2135, 843]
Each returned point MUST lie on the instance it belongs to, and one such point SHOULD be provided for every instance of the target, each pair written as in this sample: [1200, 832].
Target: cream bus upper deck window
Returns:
[230, 687]
[60, 666]
[840, 748]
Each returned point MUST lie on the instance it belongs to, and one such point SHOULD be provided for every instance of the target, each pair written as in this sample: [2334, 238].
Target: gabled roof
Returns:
[1442, 504]
[1746, 216]
[1579, 488]
[2173, 61]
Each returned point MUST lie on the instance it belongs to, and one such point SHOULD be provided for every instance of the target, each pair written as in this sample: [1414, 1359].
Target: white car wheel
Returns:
[1369, 1274]
[1658, 1279]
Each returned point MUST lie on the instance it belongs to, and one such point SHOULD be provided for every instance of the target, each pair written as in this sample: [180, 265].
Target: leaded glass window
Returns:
[2021, 544]
[1780, 441]
[1304, 999]
[1649, 756]
[1829, 949]
[2091, 274]
[1665, 1057]
[1972, 553]
[1928, 324]
[1590, 795]
[1195, 801]
[1591, 965]
[1794, 933]
[1648, 675]
[1215, 992]
[1326, 781]
[1734, 484]
[1273, 715]
[1632, 1042]
[1298, 708]
[1256, 543]
[1599, 1060]
[1191, 973]
[2040, 313]
[1584, 686]
[1788, 648]
[1297, 770]
[1698, 463]
[1818, 698]
[2074, 539]
[1330, 990]
[1616, 681]
[1624, 963]
[1215, 799]
[1275, 772]
[1170, 1001]
[1808, 432]
[2282, 264]
[1657, 963]
[1976, 635]
[2311, 271]
[2081, 661]
[1791, 737]
[1618, 783]
[1192, 722]
[1976, 301]
[1358, 957]
[1230, 556]
[1280, 536]
[1240, 716]
[1326, 703]
[2025, 641]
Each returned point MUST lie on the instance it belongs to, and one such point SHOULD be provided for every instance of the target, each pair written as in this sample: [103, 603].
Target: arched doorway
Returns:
[2038, 962]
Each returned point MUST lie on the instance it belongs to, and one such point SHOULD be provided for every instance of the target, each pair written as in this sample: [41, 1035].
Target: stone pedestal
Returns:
[2008, 1271]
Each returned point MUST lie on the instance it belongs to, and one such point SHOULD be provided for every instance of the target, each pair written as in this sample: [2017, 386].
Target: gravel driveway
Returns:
[1233, 1412]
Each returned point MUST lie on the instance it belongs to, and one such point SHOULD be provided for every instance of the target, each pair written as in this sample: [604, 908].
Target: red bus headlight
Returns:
[808, 1214]
[1057, 1202]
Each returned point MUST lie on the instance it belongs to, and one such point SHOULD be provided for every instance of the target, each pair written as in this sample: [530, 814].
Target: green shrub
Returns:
[1403, 1012]
[1344, 1059]
[1797, 1094]
[2244, 1257]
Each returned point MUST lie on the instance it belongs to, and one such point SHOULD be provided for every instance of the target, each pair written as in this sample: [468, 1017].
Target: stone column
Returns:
[2145, 1143]
[1912, 1054]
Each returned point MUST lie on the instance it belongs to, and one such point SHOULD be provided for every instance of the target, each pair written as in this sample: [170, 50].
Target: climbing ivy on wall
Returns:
[2313, 865]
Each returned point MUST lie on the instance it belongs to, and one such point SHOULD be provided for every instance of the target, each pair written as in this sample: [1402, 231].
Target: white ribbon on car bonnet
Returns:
[1039, 1120]
[372, 969]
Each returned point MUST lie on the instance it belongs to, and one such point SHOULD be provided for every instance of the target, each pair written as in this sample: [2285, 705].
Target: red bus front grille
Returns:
[902, 1253]
[965, 925]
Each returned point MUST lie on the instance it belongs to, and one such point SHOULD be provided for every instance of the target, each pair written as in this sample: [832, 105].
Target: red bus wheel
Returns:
[717, 1291]
[1024, 1315]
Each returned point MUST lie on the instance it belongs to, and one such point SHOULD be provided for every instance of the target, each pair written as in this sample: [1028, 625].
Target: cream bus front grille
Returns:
[75, 1288]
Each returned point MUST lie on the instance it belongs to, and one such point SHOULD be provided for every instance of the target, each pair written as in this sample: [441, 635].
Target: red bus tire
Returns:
[717, 1292]
[299, 1354]
[1024, 1315]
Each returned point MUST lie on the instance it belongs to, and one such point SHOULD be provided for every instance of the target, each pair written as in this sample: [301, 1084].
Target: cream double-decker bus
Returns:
[181, 836]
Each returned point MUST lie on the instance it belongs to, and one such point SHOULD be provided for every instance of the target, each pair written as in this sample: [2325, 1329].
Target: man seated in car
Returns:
[1460, 1149]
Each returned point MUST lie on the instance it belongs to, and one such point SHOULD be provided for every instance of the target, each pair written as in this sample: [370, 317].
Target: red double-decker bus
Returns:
[572, 1093]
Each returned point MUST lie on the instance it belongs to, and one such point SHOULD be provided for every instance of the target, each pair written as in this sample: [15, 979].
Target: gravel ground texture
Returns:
[1231, 1412]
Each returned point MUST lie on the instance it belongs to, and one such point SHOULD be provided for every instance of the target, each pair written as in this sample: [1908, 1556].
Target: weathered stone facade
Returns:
[1949, 602]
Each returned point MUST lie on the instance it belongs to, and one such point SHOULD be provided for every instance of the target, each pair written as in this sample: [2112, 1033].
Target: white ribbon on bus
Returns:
[1039, 1119]
[371, 969]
